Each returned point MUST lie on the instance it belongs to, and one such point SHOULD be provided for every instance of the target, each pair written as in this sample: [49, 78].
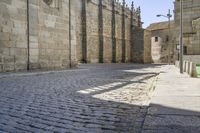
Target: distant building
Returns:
[159, 43]
[157, 37]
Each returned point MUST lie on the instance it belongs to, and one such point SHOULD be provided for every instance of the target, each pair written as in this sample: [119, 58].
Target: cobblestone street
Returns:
[98, 98]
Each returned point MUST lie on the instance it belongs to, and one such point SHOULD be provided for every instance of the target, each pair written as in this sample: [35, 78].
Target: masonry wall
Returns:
[191, 12]
[128, 36]
[13, 41]
[44, 43]
[53, 35]
[138, 45]
[161, 50]
[78, 7]
[192, 58]
[147, 47]
[57, 35]
[118, 21]
[105, 34]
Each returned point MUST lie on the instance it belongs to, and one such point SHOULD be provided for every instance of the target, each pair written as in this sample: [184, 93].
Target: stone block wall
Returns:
[35, 35]
[192, 58]
[92, 29]
[196, 37]
[147, 47]
[105, 34]
[13, 37]
[138, 45]
[191, 13]
[57, 34]
[159, 44]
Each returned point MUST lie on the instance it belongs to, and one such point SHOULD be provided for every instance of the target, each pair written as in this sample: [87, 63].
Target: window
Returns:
[177, 46]
[156, 39]
[167, 38]
[185, 50]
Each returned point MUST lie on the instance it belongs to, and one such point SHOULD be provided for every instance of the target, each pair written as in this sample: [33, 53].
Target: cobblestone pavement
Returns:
[99, 98]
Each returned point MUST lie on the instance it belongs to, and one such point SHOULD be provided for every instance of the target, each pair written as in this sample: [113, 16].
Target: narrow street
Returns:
[95, 98]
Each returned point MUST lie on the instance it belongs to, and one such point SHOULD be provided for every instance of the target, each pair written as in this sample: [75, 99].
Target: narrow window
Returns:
[156, 39]
[185, 50]
[167, 38]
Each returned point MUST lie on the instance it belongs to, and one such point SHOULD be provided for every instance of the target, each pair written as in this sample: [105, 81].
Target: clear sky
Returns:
[150, 8]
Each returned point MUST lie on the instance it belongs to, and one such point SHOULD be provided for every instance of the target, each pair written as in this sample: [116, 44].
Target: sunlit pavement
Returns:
[98, 98]
[175, 105]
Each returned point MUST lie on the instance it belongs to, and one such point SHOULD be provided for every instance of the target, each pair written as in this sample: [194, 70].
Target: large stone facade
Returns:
[191, 24]
[55, 34]
[106, 31]
[36, 38]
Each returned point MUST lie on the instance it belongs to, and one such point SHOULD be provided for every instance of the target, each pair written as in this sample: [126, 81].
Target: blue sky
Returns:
[150, 8]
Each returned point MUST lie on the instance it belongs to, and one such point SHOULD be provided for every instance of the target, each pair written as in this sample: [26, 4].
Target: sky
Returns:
[150, 8]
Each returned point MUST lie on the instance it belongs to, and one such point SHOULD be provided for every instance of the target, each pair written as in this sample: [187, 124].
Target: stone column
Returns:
[131, 35]
[123, 34]
[101, 40]
[33, 48]
[84, 32]
[73, 59]
[113, 33]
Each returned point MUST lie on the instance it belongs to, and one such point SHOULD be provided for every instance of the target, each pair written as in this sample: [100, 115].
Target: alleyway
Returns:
[99, 98]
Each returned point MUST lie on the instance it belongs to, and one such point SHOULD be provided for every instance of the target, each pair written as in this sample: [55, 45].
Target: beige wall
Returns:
[156, 49]
[92, 29]
[13, 41]
[49, 35]
[54, 43]
[161, 51]
[147, 47]
[191, 11]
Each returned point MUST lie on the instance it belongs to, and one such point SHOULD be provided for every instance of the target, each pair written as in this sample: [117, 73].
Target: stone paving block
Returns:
[52, 102]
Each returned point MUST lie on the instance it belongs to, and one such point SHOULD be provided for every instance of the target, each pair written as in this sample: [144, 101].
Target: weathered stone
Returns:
[191, 24]
[159, 44]
[56, 34]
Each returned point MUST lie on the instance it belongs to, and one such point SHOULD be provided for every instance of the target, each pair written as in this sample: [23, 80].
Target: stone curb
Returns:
[20, 74]
[151, 88]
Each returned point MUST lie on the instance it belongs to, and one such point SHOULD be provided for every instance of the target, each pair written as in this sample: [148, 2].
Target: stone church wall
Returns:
[13, 41]
[40, 41]
[105, 33]
[55, 34]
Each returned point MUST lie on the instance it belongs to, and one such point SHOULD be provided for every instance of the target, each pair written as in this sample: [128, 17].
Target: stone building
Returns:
[55, 34]
[159, 43]
[191, 26]
[191, 34]
[107, 32]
